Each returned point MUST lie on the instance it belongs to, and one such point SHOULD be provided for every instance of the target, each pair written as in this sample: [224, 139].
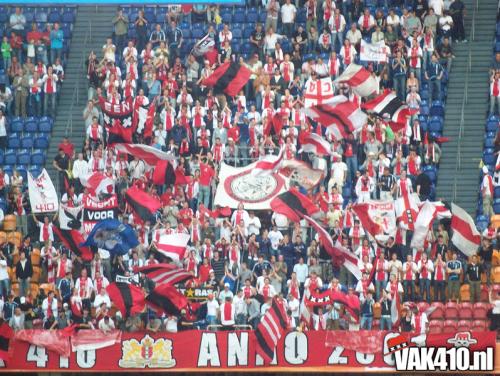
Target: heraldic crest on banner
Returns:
[148, 352]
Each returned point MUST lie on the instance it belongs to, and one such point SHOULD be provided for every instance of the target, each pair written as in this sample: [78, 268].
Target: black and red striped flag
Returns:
[128, 298]
[293, 205]
[270, 330]
[6, 334]
[72, 240]
[166, 298]
[164, 173]
[143, 204]
[118, 134]
[164, 273]
[229, 78]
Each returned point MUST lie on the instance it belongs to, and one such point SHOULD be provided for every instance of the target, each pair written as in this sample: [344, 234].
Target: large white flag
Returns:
[43, 196]
[377, 52]
[465, 235]
[173, 245]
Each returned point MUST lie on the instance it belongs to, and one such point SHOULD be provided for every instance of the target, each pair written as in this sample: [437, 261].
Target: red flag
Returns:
[293, 205]
[163, 173]
[274, 125]
[228, 78]
[150, 117]
[362, 82]
[98, 183]
[269, 164]
[128, 298]
[166, 298]
[351, 302]
[148, 154]
[370, 226]
[143, 204]
[72, 240]
[388, 105]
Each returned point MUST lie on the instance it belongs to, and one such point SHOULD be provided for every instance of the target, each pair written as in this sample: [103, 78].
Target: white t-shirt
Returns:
[338, 170]
[275, 237]
[287, 13]
[212, 306]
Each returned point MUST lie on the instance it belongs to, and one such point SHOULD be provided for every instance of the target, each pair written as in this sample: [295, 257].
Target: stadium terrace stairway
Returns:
[459, 165]
[92, 27]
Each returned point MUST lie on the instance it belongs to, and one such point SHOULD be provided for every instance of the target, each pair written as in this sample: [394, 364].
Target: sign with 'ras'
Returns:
[231, 351]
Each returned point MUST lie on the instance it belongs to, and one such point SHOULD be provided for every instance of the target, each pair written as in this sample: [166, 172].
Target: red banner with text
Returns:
[202, 351]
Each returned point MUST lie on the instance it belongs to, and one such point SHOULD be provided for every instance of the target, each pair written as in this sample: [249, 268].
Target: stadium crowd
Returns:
[252, 256]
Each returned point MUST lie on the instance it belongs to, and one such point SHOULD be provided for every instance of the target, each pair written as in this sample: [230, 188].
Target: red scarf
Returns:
[50, 86]
[412, 166]
[265, 291]
[168, 121]
[364, 285]
[45, 232]
[394, 289]
[366, 22]
[333, 67]
[418, 323]
[414, 56]
[397, 168]
[233, 254]
[337, 23]
[218, 152]
[294, 289]
[197, 120]
[380, 270]
[286, 72]
[247, 292]
[409, 272]
[19, 204]
[228, 310]
[49, 308]
[439, 273]
[347, 57]
[424, 273]
[251, 132]
[195, 235]
[490, 184]
[94, 132]
[62, 269]
[496, 89]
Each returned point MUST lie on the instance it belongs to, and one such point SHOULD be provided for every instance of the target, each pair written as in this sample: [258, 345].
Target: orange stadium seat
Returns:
[3, 237]
[495, 258]
[35, 257]
[377, 310]
[495, 274]
[37, 272]
[14, 238]
[465, 293]
[495, 221]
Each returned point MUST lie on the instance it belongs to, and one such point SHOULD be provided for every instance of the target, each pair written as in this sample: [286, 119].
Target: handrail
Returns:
[461, 130]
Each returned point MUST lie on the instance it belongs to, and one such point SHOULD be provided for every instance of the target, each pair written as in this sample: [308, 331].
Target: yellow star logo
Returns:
[190, 293]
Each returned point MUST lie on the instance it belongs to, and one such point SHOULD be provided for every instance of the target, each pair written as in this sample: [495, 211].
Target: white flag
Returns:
[376, 52]
[42, 194]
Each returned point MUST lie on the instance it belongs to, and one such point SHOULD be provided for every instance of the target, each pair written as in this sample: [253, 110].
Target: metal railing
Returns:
[461, 130]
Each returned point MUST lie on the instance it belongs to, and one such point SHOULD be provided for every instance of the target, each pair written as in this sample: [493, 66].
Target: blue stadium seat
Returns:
[346, 192]
[23, 157]
[497, 192]
[186, 33]
[239, 17]
[252, 16]
[10, 157]
[45, 124]
[488, 157]
[41, 16]
[14, 141]
[247, 32]
[237, 33]
[68, 17]
[197, 33]
[31, 125]
[496, 206]
[29, 16]
[41, 142]
[489, 142]
[150, 16]
[492, 125]
[436, 125]
[16, 125]
[27, 141]
[430, 171]
[262, 16]
[3, 17]
[1, 156]
[3, 205]
[38, 157]
[54, 17]
[424, 108]
[236, 46]
[437, 109]
[226, 17]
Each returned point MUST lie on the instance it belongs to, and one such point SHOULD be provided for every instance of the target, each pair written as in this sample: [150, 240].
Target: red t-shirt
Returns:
[206, 174]
[67, 148]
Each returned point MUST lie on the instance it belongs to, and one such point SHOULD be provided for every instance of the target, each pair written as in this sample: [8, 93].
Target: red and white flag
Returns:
[148, 154]
[362, 82]
[465, 235]
[173, 245]
[314, 143]
[318, 91]
[164, 273]
[301, 172]
[94, 339]
[340, 115]
[428, 212]
[407, 210]
[269, 164]
[98, 183]
[377, 218]
[388, 105]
